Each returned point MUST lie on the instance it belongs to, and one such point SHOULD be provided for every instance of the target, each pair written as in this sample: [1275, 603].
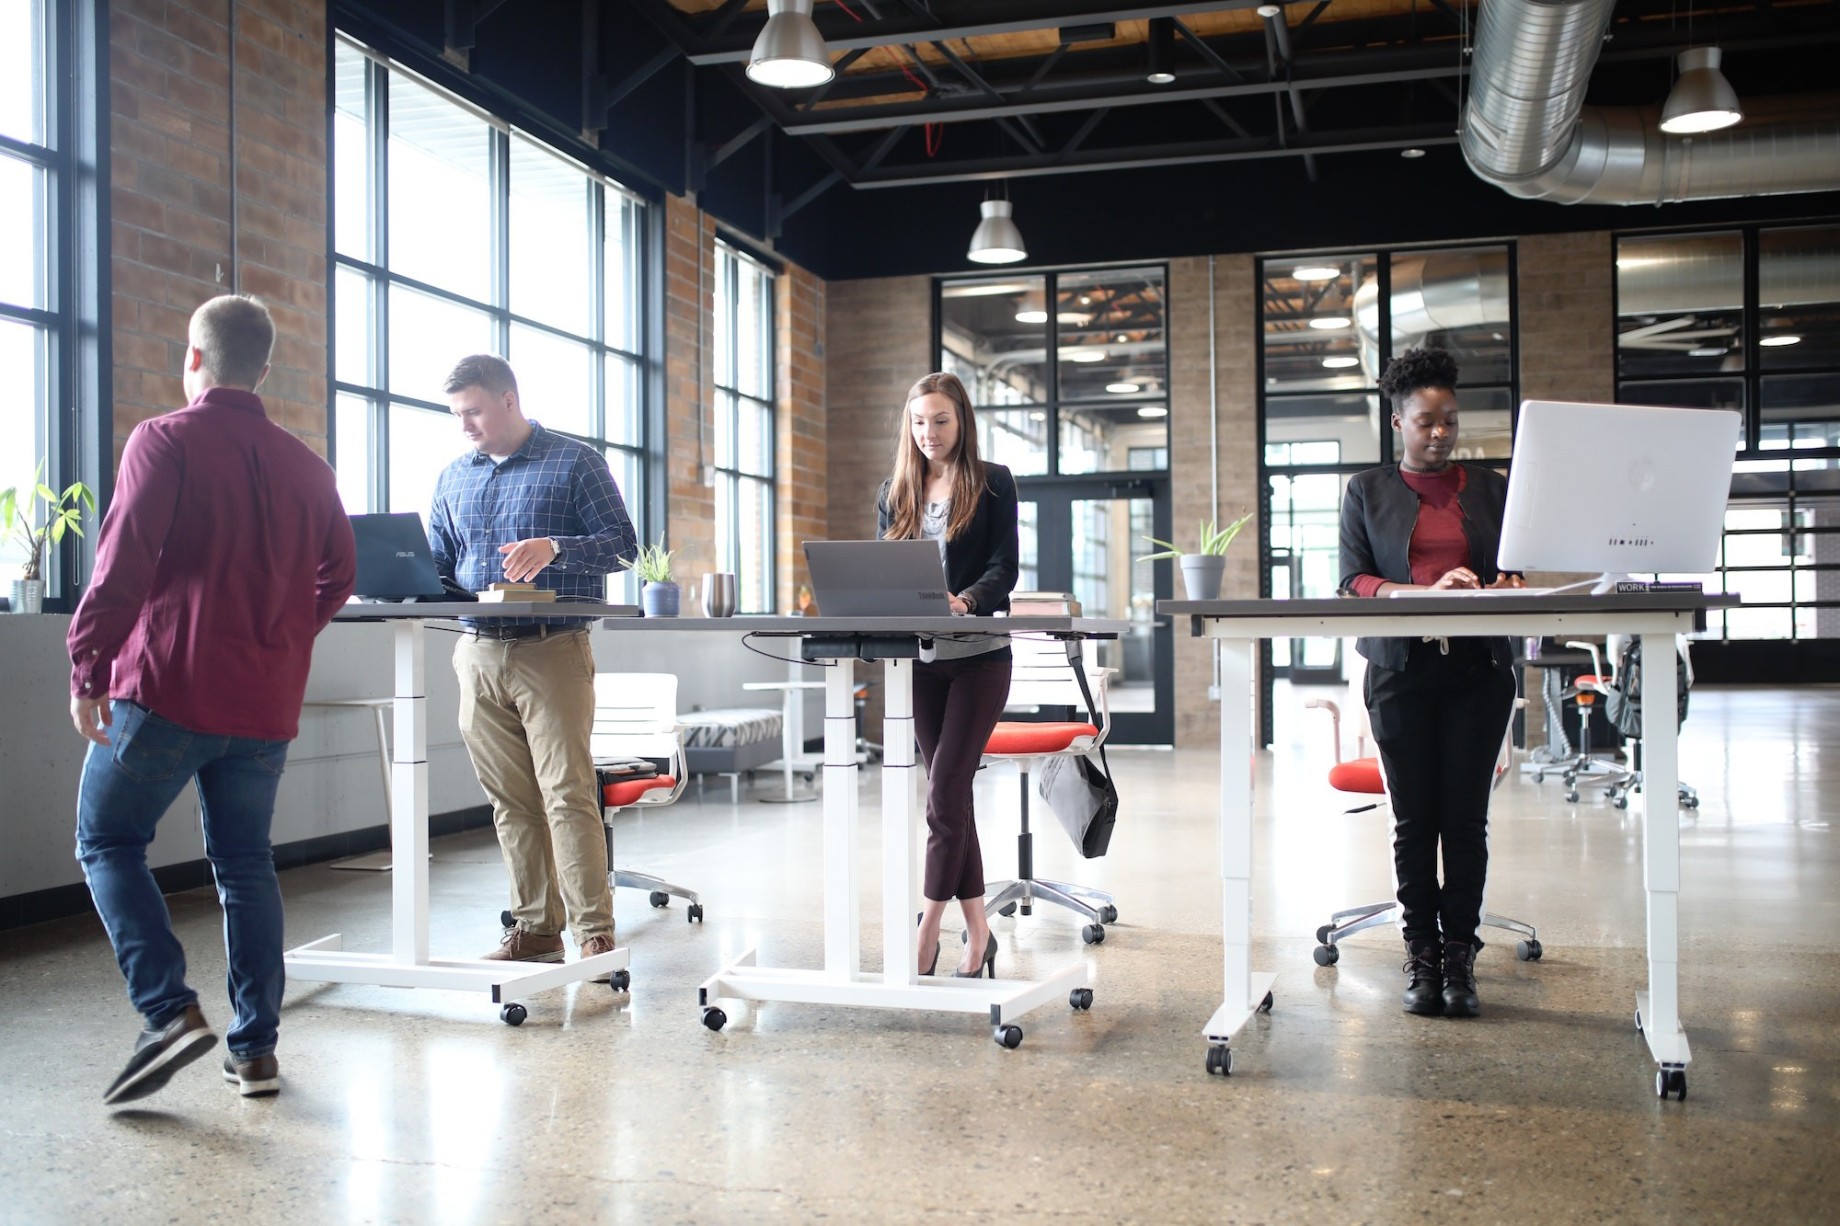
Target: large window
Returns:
[34, 174]
[1079, 388]
[458, 234]
[744, 429]
[1748, 320]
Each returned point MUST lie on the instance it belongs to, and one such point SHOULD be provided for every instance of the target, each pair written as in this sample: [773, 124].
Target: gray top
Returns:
[934, 517]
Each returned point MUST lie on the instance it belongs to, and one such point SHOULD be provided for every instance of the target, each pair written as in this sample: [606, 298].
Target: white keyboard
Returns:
[1470, 592]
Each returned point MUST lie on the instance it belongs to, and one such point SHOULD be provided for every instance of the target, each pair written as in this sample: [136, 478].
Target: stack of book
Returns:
[499, 593]
[1043, 604]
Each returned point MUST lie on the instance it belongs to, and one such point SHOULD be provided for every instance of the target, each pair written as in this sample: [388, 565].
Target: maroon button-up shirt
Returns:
[224, 552]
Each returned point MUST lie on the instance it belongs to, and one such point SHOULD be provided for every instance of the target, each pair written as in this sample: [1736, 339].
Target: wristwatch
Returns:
[555, 548]
[970, 603]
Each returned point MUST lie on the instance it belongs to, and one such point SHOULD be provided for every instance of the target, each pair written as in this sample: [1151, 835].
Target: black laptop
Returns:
[394, 559]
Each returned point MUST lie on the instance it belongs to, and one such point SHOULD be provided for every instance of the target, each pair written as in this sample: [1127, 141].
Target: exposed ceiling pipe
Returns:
[1526, 128]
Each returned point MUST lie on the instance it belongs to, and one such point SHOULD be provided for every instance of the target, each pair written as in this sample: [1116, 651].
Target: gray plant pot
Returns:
[28, 596]
[1202, 574]
[660, 599]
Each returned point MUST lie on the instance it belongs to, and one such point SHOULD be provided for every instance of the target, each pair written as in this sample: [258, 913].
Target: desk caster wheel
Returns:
[1528, 950]
[1093, 934]
[1007, 909]
[1671, 1082]
[1080, 998]
[714, 1018]
[1220, 1060]
[620, 981]
[1638, 1021]
[1108, 914]
[1265, 1005]
[505, 920]
[513, 1014]
[1007, 1036]
[1571, 797]
[696, 913]
[660, 899]
[1326, 955]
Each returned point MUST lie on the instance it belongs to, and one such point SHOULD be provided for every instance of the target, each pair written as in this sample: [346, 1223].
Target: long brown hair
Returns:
[908, 488]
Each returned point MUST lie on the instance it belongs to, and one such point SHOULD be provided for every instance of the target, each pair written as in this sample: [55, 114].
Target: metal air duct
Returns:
[1526, 128]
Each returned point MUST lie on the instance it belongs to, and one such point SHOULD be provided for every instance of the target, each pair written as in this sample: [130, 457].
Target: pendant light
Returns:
[1702, 100]
[789, 54]
[996, 240]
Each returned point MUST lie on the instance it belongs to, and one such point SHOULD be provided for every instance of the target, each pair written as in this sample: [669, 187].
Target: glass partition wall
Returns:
[1748, 321]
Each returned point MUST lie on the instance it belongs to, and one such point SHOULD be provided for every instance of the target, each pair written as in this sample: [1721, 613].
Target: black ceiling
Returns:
[1263, 142]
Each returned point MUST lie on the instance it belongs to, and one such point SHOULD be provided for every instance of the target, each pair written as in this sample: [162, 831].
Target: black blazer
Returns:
[1379, 512]
[985, 558]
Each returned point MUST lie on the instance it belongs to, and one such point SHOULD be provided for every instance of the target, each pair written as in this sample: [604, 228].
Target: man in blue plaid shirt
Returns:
[529, 505]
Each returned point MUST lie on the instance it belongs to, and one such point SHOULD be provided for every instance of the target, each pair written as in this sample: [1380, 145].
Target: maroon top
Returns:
[1438, 543]
[224, 553]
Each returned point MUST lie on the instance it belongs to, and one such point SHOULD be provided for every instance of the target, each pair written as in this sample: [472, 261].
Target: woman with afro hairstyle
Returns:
[1439, 706]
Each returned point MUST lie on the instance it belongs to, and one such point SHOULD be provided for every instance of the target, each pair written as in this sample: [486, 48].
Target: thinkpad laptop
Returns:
[878, 578]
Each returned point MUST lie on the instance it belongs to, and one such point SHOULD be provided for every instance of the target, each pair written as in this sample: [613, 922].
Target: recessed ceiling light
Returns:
[1121, 338]
[1413, 152]
[1341, 363]
[1316, 272]
[1084, 355]
[1153, 410]
[1038, 415]
[1121, 388]
[1076, 318]
[1781, 339]
[1706, 351]
[1268, 10]
[1085, 300]
[1031, 317]
[983, 289]
[1329, 323]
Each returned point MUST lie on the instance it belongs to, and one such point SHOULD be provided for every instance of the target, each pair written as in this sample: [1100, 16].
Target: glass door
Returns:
[1084, 537]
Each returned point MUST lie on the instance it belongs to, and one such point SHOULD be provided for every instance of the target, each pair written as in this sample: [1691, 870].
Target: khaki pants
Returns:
[526, 709]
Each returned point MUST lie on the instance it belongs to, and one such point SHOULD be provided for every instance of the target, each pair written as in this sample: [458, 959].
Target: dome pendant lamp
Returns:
[996, 240]
[789, 54]
[1702, 100]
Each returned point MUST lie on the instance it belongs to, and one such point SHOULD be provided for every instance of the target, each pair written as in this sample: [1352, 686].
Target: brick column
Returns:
[802, 489]
[1567, 316]
[878, 337]
[181, 230]
[689, 363]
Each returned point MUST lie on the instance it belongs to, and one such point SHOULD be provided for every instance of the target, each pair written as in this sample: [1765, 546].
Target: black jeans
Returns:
[1439, 723]
[956, 705]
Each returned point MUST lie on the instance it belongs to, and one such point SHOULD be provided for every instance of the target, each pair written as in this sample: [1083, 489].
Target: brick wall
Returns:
[171, 193]
[878, 341]
[1235, 401]
[1567, 316]
[689, 363]
[803, 489]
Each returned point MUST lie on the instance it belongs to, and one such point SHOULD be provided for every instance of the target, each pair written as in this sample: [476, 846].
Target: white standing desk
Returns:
[1238, 625]
[841, 980]
[408, 964]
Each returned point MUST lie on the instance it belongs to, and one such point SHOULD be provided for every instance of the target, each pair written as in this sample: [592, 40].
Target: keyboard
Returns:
[1466, 593]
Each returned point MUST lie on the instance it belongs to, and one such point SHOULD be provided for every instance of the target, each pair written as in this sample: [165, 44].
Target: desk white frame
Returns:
[408, 964]
[1238, 625]
[842, 981]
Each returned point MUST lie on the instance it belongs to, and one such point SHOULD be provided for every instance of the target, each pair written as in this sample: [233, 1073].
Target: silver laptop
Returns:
[878, 578]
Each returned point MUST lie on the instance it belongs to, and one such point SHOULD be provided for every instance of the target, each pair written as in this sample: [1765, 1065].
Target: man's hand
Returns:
[525, 560]
[91, 716]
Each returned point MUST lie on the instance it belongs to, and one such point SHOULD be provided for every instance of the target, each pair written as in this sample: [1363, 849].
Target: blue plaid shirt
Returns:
[553, 486]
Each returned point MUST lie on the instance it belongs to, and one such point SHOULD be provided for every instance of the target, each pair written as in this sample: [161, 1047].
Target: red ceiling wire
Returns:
[934, 133]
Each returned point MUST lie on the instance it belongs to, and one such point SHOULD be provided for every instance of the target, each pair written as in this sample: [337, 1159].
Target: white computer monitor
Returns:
[1617, 489]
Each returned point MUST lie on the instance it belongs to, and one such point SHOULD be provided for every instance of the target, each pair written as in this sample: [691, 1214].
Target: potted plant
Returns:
[1203, 569]
[63, 513]
[660, 597]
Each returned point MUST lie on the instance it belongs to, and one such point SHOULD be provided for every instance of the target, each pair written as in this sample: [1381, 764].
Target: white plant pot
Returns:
[1202, 574]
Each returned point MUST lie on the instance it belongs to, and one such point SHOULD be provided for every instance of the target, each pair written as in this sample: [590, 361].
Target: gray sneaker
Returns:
[256, 1077]
[158, 1054]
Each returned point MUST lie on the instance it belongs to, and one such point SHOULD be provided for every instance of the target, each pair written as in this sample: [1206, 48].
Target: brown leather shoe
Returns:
[600, 943]
[520, 946]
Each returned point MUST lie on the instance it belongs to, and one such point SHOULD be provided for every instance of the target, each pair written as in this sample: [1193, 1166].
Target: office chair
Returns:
[1043, 676]
[635, 718]
[1361, 776]
[1586, 690]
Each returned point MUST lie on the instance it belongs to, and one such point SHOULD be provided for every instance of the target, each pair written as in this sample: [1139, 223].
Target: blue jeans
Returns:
[127, 787]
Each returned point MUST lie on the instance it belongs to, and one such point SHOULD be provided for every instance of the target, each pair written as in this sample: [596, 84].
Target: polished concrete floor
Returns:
[401, 1106]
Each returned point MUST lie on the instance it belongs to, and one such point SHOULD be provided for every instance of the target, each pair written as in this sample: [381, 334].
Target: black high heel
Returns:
[934, 964]
[988, 964]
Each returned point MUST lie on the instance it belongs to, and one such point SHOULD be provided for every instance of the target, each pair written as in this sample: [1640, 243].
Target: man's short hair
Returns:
[236, 335]
[486, 370]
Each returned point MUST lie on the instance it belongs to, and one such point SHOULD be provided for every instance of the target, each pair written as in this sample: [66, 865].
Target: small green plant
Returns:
[653, 565]
[1213, 541]
[63, 513]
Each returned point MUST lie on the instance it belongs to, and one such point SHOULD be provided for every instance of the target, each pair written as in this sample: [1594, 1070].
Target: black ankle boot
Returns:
[1425, 969]
[1460, 980]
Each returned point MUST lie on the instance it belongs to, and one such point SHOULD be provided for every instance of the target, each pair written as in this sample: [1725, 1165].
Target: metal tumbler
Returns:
[719, 594]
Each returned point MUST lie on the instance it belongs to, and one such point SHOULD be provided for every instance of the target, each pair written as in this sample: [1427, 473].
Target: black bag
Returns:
[1080, 792]
[1623, 704]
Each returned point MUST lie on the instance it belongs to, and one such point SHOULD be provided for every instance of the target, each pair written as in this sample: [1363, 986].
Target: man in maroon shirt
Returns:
[224, 553]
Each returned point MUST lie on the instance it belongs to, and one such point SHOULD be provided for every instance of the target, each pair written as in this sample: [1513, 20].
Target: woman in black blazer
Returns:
[942, 491]
[1439, 706]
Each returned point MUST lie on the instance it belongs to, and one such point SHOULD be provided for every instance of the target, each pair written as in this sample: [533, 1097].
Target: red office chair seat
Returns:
[1357, 775]
[617, 794]
[1020, 739]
